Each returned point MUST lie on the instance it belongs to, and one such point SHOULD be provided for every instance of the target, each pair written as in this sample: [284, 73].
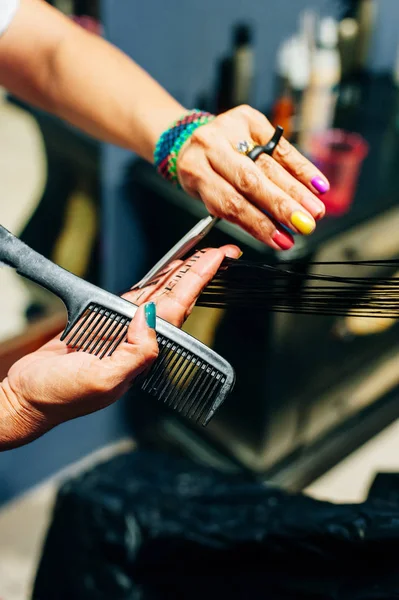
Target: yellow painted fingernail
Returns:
[241, 253]
[303, 223]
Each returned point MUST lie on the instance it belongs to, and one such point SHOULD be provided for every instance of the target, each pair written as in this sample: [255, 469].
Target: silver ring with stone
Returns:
[245, 147]
[253, 151]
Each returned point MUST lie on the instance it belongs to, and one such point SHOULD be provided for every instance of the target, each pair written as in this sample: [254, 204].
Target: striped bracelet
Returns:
[172, 139]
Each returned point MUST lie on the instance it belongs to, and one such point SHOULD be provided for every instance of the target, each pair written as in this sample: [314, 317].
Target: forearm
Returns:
[18, 424]
[49, 61]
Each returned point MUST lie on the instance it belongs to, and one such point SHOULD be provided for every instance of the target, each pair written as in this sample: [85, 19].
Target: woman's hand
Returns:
[56, 384]
[235, 188]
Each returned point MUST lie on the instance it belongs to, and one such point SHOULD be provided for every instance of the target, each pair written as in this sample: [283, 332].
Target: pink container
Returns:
[339, 156]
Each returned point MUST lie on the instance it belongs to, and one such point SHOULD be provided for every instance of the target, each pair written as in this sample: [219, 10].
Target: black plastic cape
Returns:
[148, 526]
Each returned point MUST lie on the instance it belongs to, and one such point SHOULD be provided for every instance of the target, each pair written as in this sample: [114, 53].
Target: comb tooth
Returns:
[200, 395]
[106, 339]
[162, 362]
[117, 332]
[220, 380]
[207, 394]
[187, 405]
[180, 380]
[121, 338]
[89, 330]
[174, 376]
[173, 368]
[111, 324]
[182, 396]
[95, 332]
[203, 395]
[99, 336]
[179, 383]
[164, 372]
[88, 316]
[75, 323]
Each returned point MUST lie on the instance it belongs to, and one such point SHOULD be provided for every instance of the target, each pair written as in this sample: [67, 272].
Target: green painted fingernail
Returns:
[150, 314]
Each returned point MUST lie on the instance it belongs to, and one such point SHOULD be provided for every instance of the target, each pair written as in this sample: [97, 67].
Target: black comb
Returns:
[187, 376]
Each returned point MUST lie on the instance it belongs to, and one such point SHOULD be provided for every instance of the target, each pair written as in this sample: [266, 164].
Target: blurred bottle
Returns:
[223, 95]
[321, 96]
[293, 79]
[283, 113]
[242, 65]
[235, 73]
[348, 37]
[366, 14]
[283, 110]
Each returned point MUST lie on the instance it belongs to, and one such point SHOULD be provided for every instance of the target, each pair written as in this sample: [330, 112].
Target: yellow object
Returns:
[302, 222]
[203, 324]
[75, 243]
[368, 326]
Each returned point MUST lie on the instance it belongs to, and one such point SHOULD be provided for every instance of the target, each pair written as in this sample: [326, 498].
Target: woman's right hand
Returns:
[283, 189]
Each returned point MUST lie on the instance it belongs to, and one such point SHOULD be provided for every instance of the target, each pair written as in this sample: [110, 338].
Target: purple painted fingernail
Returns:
[320, 184]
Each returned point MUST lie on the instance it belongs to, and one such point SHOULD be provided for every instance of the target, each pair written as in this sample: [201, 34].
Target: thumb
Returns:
[142, 327]
[141, 347]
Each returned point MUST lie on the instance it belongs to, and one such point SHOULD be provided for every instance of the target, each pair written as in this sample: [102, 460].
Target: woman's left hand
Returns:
[233, 187]
[55, 383]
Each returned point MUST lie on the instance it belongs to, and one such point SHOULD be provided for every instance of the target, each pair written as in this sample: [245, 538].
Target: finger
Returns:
[231, 251]
[289, 157]
[141, 347]
[291, 186]
[223, 200]
[142, 295]
[251, 183]
[183, 290]
[130, 358]
[155, 289]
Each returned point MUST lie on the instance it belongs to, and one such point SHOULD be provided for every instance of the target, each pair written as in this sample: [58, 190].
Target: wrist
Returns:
[20, 422]
[162, 120]
[172, 140]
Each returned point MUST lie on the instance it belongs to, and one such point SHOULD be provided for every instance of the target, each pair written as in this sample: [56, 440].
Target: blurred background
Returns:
[328, 72]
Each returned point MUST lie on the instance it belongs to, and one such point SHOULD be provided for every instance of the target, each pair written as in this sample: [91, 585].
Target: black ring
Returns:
[269, 147]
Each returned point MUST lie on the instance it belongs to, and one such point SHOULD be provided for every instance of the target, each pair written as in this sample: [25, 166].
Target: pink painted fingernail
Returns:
[314, 206]
[282, 239]
[320, 184]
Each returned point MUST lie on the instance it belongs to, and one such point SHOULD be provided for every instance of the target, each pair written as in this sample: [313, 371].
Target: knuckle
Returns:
[185, 166]
[301, 169]
[267, 164]
[149, 354]
[261, 230]
[201, 136]
[284, 149]
[293, 192]
[245, 111]
[233, 207]
[249, 181]
[283, 210]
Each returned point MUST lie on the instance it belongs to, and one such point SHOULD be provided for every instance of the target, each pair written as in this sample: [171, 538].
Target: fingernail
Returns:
[320, 184]
[241, 253]
[303, 223]
[150, 314]
[282, 239]
[314, 206]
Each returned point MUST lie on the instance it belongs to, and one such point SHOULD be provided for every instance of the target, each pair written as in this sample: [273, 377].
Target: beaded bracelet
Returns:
[171, 141]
